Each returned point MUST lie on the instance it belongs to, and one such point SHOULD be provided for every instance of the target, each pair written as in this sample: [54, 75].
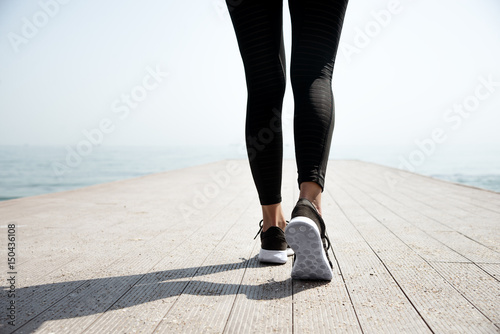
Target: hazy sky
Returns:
[164, 72]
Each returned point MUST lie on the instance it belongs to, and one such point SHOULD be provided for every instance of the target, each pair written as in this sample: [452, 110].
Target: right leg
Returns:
[258, 27]
[316, 27]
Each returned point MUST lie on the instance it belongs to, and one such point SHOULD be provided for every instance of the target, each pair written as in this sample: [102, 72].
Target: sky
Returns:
[169, 73]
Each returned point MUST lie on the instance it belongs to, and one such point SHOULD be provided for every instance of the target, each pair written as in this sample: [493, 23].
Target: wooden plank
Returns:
[436, 300]
[470, 226]
[462, 197]
[463, 194]
[320, 307]
[263, 303]
[413, 231]
[124, 267]
[88, 222]
[440, 220]
[437, 191]
[483, 202]
[90, 293]
[478, 287]
[491, 269]
[173, 252]
[206, 302]
[379, 303]
[147, 302]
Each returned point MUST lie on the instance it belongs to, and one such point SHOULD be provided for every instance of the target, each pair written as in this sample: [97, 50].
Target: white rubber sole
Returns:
[273, 256]
[303, 236]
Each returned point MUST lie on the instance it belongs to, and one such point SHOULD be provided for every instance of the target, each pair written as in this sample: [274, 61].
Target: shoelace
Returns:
[327, 248]
[329, 243]
[261, 223]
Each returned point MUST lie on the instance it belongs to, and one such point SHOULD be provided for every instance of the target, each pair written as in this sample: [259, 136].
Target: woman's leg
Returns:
[316, 28]
[258, 27]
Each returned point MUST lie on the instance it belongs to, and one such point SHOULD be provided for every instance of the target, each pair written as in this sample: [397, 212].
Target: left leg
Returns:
[258, 28]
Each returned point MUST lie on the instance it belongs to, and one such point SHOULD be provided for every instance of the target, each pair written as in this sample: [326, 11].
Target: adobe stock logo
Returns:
[203, 195]
[453, 118]
[224, 7]
[121, 109]
[30, 27]
[363, 37]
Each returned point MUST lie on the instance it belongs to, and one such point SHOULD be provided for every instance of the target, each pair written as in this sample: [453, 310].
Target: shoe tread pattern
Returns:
[310, 259]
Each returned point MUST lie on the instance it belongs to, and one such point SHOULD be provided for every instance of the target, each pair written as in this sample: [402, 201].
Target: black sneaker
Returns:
[306, 234]
[274, 248]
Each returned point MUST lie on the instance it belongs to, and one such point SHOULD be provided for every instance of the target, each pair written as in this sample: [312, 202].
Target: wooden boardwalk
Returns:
[174, 253]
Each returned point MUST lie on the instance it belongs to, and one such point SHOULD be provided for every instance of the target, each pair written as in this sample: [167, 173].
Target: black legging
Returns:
[316, 27]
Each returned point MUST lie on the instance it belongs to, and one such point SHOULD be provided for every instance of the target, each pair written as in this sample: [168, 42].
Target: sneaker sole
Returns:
[273, 256]
[303, 236]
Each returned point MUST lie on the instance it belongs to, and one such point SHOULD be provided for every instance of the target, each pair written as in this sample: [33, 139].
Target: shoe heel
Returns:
[273, 256]
[304, 238]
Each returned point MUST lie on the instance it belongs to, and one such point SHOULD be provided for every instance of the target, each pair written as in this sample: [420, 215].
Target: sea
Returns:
[30, 170]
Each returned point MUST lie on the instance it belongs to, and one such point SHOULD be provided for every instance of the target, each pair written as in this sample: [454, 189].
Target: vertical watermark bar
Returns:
[11, 274]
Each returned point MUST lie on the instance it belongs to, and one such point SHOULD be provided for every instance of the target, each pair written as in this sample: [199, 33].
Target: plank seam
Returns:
[204, 260]
[409, 222]
[342, 275]
[381, 261]
[428, 262]
[224, 330]
[144, 275]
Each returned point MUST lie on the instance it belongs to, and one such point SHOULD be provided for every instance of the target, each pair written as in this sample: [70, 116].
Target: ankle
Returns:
[317, 205]
[273, 216]
[312, 192]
